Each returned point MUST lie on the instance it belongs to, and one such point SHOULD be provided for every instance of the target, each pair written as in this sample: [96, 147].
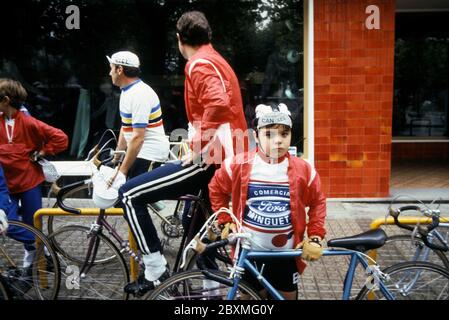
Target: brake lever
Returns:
[192, 245]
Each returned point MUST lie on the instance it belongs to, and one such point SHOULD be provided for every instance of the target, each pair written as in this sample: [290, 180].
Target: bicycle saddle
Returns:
[368, 240]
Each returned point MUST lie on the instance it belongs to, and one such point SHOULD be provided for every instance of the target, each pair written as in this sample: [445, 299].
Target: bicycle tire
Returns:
[79, 259]
[102, 280]
[180, 287]
[39, 281]
[52, 221]
[427, 281]
[401, 248]
[4, 291]
[222, 256]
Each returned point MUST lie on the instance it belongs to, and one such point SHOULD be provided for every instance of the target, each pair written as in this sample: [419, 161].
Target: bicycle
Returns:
[40, 280]
[418, 245]
[81, 195]
[102, 253]
[403, 280]
[101, 269]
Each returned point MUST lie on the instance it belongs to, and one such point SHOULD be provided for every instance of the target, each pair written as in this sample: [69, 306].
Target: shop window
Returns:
[421, 75]
[66, 69]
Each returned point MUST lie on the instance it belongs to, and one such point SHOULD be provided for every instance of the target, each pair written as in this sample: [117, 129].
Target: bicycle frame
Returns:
[97, 228]
[243, 264]
[426, 251]
[432, 234]
[439, 236]
[101, 223]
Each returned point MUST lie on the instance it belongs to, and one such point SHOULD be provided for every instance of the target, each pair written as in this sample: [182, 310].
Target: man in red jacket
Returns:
[215, 112]
[22, 140]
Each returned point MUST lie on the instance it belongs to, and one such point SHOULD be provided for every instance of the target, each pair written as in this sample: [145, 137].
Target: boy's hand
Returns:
[312, 249]
[227, 229]
[36, 156]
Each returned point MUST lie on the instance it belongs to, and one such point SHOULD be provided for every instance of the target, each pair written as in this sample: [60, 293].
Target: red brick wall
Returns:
[353, 97]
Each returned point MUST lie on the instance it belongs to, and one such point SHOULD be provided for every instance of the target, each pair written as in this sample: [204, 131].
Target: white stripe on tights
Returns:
[164, 184]
[161, 179]
[134, 223]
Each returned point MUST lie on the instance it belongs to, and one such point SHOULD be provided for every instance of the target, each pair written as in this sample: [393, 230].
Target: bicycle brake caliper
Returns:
[375, 276]
[94, 228]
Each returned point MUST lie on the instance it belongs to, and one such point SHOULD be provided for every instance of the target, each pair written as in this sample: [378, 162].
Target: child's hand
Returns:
[312, 249]
[226, 229]
[36, 156]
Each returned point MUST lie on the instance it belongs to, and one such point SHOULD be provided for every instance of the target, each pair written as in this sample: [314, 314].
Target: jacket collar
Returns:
[204, 48]
[125, 88]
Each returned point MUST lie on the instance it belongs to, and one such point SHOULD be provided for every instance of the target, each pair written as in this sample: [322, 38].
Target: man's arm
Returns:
[121, 144]
[133, 149]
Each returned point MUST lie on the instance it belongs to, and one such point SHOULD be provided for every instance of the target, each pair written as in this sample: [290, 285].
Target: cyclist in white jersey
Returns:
[142, 132]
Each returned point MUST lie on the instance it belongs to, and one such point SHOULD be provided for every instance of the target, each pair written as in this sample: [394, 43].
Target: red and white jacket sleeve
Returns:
[316, 201]
[220, 188]
[210, 91]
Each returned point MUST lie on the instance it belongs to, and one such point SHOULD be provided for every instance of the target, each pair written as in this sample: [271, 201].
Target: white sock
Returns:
[28, 258]
[155, 265]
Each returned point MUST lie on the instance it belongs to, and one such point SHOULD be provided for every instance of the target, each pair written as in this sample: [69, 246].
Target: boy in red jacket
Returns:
[23, 139]
[270, 192]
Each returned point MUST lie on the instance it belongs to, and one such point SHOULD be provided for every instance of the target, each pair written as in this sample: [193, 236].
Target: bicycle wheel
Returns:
[401, 248]
[100, 280]
[31, 275]
[4, 291]
[77, 198]
[219, 260]
[194, 285]
[412, 280]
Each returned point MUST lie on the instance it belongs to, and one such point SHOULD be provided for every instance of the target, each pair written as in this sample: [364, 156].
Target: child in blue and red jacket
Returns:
[270, 192]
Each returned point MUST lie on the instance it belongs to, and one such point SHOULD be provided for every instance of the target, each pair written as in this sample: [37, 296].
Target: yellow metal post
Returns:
[375, 224]
[133, 266]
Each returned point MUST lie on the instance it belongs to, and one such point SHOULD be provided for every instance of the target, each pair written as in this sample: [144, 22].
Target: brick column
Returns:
[353, 97]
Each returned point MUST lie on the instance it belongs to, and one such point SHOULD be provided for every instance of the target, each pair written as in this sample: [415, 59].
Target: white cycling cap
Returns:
[275, 114]
[125, 58]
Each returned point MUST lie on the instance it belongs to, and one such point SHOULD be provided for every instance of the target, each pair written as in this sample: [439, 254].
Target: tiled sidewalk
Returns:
[322, 279]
